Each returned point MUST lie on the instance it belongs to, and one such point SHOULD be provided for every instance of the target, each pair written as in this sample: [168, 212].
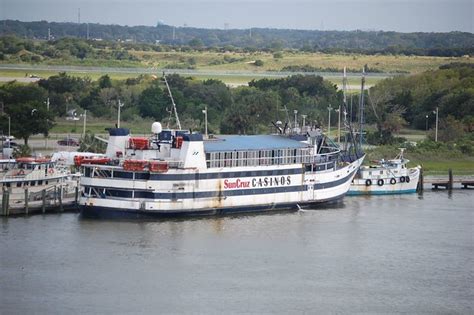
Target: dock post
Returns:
[76, 196]
[26, 201]
[55, 194]
[60, 198]
[4, 202]
[450, 182]
[420, 181]
[43, 196]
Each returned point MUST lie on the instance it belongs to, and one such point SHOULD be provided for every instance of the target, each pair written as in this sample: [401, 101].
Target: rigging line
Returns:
[372, 105]
[172, 101]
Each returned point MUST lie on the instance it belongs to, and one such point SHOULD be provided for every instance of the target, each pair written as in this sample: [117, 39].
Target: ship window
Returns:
[32, 183]
[8, 184]
[46, 182]
[40, 182]
[18, 184]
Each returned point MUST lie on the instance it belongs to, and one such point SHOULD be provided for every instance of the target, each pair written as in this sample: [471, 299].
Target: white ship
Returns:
[386, 177]
[176, 173]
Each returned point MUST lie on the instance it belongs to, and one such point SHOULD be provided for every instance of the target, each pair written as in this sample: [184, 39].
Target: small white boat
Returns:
[386, 177]
[28, 180]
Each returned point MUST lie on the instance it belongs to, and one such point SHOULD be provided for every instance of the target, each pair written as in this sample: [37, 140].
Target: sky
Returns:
[386, 15]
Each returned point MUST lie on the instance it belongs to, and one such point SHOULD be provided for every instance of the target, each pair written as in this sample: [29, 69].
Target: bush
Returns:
[258, 63]
[278, 55]
[22, 150]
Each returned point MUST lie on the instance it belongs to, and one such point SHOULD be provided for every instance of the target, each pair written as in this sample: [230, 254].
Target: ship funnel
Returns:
[156, 128]
[118, 139]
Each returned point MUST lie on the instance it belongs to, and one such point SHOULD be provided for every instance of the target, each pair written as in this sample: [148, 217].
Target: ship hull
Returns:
[192, 194]
[116, 213]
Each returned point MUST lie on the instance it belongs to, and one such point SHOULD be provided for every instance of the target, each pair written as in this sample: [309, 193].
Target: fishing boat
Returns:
[176, 173]
[26, 181]
[386, 177]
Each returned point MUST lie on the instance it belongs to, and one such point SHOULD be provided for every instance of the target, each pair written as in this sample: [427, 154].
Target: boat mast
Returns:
[349, 138]
[361, 108]
[172, 101]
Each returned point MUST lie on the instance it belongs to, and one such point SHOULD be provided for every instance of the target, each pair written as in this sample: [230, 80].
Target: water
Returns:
[382, 254]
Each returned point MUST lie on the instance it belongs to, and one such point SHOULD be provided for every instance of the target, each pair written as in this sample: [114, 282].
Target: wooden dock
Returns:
[449, 183]
[53, 199]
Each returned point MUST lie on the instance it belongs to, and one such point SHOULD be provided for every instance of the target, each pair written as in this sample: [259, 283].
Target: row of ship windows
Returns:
[29, 183]
[255, 158]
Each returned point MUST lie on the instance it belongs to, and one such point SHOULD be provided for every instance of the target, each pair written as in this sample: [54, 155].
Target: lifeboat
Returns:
[29, 159]
[80, 160]
[158, 166]
[138, 143]
[134, 165]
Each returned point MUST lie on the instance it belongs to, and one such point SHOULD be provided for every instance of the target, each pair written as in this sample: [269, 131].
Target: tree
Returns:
[154, 103]
[30, 118]
[105, 82]
[25, 104]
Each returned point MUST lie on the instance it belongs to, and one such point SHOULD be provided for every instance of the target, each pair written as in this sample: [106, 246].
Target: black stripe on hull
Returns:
[115, 213]
[122, 193]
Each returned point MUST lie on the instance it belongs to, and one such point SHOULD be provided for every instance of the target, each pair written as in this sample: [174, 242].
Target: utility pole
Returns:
[304, 121]
[120, 105]
[84, 126]
[296, 119]
[329, 121]
[436, 129]
[204, 111]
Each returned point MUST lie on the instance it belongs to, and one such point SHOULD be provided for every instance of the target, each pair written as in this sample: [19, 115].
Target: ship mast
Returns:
[361, 108]
[172, 101]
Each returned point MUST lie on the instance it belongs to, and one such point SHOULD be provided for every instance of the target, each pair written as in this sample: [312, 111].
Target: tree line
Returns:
[390, 105]
[366, 42]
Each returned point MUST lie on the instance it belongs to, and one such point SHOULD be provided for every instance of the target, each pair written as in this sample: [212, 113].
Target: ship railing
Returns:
[270, 157]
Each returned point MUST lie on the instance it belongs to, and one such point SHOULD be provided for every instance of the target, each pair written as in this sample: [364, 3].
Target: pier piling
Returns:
[5, 202]
[26, 201]
[43, 197]
[60, 198]
[419, 188]
[450, 180]
[76, 196]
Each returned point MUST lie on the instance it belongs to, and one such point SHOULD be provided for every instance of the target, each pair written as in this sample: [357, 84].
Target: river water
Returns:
[387, 254]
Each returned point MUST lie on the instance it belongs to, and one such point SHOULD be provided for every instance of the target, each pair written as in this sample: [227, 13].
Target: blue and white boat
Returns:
[175, 173]
[386, 177]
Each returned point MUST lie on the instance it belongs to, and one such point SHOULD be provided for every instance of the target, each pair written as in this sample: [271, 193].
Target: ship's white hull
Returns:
[224, 190]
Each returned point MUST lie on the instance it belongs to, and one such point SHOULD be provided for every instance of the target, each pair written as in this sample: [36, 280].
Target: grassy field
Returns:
[239, 68]
[244, 61]
[138, 127]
